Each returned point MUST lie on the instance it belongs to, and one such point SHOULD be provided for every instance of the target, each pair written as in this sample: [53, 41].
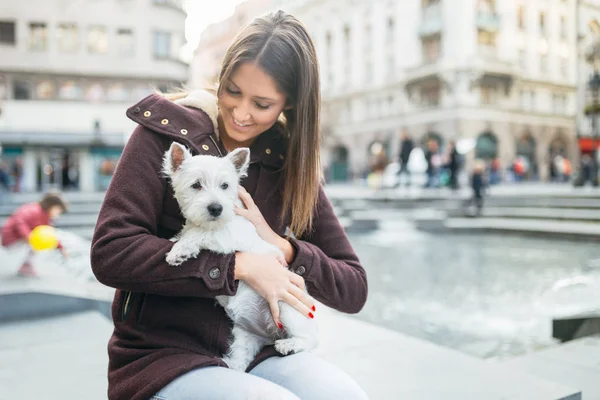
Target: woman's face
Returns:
[249, 104]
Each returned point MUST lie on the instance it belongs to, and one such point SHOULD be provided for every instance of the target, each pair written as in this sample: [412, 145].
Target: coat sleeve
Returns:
[21, 226]
[326, 260]
[126, 252]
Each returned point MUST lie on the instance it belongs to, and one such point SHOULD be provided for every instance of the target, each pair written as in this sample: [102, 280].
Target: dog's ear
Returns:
[240, 159]
[174, 157]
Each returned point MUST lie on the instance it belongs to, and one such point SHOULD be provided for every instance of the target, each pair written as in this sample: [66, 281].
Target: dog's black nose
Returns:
[215, 209]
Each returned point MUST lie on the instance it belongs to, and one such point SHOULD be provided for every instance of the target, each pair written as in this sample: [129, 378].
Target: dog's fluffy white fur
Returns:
[206, 186]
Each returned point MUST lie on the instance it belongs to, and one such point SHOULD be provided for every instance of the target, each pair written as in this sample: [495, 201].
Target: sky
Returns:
[202, 13]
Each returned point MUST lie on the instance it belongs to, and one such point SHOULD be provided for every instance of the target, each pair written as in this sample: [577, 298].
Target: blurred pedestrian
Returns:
[453, 165]
[17, 173]
[16, 230]
[478, 184]
[433, 163]
[406, 147]
[4, 180]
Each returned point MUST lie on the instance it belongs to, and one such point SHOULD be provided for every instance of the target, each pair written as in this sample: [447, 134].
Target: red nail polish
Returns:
[313, 308]
[311, 315]
[279, 325]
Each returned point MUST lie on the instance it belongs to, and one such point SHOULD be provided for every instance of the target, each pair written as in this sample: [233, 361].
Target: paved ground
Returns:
[507, 189]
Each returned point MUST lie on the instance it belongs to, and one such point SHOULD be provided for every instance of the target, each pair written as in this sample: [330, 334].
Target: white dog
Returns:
[206, 188]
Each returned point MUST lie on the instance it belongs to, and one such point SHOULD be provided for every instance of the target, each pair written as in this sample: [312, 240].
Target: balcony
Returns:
[431, 21]
[426, 75]
[174, 4]
[490, 70]
[488, 21]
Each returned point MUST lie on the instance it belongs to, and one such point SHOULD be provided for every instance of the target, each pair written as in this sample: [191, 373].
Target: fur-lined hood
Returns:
[192, 121]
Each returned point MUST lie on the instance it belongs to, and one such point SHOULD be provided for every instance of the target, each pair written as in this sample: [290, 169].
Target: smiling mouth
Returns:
[239, 124]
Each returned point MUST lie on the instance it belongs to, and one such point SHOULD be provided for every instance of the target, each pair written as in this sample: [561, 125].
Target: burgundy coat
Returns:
[166, 319]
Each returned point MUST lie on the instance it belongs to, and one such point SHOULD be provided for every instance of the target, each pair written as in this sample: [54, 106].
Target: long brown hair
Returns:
[280, 45]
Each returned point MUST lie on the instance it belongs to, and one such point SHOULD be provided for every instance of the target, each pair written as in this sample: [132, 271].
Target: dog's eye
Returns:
[197, 186]
[224, 186]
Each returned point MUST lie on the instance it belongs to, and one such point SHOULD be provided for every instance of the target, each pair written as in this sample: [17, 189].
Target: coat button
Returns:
[268, 151]
[281, 156]
[184, 131]
[205, 147]
[137, 110]
[164, 121]
[300, 270]
[214, 273]
[147, 114]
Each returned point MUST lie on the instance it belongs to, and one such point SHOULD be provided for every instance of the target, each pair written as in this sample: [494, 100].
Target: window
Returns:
[70, 90]
[117, 92]
[38, 36]
[563, 27]
[521, 17]
[45, 90]
[543, 24]
[368, 43]
[391, 59]
[7, 32]
[21, 90]
[329, 58]
[68, 37]
[94, 92]
[487, 39]
[522, 100]
[125, 42]
[427, 3]
[162, 44]
[523, 59]
[564, 66]
[431, 49]
[347, 56]
[544, 63]
[488, 94]
[97, 40]
[430, 96]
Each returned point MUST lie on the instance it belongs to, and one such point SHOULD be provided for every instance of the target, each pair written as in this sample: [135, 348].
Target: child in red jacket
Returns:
[19, 225]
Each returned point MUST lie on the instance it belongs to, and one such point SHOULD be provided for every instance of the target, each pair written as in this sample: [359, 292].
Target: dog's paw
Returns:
[236, 364]
[286, 346]
[175, 259]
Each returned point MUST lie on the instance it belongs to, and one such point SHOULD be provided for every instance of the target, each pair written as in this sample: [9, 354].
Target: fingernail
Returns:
[313, 308]
[311, 315]
[279, 325]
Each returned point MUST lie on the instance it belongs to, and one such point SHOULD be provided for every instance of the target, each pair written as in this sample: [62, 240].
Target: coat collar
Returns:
[192, 121]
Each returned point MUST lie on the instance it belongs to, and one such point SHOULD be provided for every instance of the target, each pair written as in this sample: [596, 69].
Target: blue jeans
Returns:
[299, 376]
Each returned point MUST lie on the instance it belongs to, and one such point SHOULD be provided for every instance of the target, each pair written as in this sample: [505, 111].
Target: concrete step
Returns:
[575, 364]
[388, 365]
[65, 356]
[70, 197]
[548, 202]
[68, 221]
[572, 214]
[74, 209]
[562, 229]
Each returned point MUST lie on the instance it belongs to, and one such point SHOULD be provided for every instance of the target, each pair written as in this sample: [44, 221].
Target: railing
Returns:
[488, 21]
[431, 22]
[176, 4]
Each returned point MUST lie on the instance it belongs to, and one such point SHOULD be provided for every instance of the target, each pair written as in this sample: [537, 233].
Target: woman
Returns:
[169, 335]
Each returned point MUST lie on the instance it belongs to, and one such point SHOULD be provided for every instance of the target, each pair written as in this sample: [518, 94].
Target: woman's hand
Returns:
[263, 273]
[253, 214]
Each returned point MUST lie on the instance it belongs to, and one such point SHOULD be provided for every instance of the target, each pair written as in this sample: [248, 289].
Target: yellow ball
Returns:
[43, 237]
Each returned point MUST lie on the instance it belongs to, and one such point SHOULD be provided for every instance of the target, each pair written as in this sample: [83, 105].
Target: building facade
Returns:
[216, 39]
[501, 72]
[588, 56]
[68, 72]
